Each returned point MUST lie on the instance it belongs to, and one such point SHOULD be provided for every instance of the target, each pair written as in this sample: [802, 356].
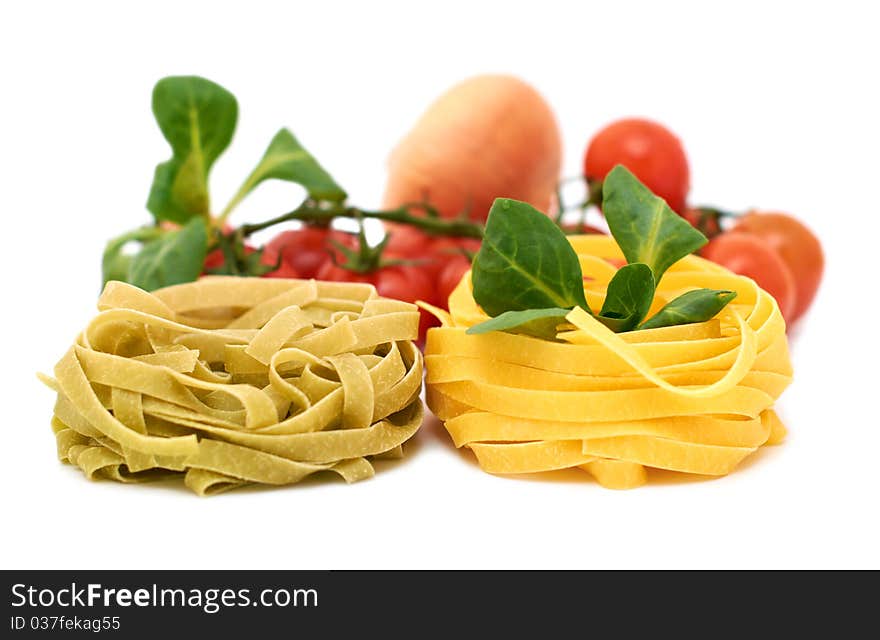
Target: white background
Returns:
[777, 105]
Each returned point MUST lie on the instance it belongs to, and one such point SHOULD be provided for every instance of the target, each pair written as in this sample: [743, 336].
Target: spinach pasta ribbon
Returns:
[232, 381]
[695, 398]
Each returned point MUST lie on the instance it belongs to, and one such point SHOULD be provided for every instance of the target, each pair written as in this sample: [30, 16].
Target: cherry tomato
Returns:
[798, 247]
[432, 252]
[283, 271]
[305, 250]
[214, 260]
[406, 240]
[652, 152]
[449, 277]
[404, 283]
[335, 273]
[440, 252]
[751, 256]
[410, 284]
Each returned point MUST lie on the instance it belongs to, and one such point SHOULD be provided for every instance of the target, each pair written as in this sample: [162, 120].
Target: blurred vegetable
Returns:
[487, 137]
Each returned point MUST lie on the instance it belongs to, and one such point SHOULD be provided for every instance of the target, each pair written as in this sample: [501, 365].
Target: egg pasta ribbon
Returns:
[232, 381]
[694, 398]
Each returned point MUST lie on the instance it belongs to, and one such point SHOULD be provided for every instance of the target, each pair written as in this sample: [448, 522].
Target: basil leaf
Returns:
[114, 263]
[629, 297]
[173, 258]
[644, 226]
[694, 306]
[525, 262]
[198, 118]
[540, 323]
[286, 159]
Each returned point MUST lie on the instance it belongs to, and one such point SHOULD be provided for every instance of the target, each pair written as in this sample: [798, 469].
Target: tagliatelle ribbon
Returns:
[231, 381]
[694, 398]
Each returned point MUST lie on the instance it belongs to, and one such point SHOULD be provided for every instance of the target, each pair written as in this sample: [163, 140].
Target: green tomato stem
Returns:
[324, 212]
[243, 190]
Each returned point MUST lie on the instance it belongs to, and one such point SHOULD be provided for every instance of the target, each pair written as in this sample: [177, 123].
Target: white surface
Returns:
[776, 103]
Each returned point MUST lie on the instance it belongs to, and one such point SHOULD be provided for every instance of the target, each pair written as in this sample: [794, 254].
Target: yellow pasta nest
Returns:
[230, 381]
[693, 398]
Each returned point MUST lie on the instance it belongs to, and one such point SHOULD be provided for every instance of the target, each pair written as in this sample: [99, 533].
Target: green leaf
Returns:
[694, 306]
[287, 159]
[525, 262]
[629, 297]
[115, 263]
[644, 226]
[173, 258]
[198, 118]
[540, 323]
[114, 266]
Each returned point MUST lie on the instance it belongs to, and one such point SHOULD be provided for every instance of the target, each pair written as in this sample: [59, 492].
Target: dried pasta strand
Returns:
[228, 382]
[693, 398]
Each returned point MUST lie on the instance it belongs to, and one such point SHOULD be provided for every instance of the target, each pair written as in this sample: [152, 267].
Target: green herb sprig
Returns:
[198, 118]
[528, 278]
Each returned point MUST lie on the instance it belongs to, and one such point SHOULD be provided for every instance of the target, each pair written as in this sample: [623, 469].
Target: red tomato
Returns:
[305, 250]
[750, 256]
[432, 251]
[404, 283]
[445, 249]
[449, 277]
[284, 271]
[406, 240]
[408, 283]
[335, 273]
[214, 260]
[652, 152]
[798, 247]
